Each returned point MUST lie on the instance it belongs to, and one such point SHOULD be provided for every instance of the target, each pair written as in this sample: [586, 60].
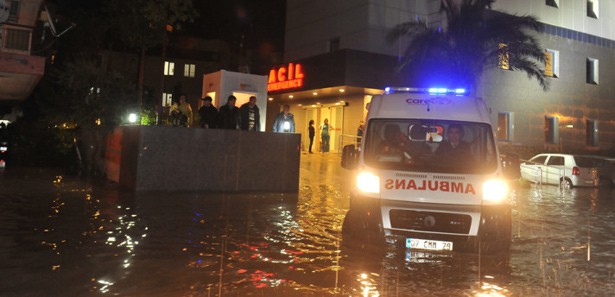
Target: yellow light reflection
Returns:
[491, 290]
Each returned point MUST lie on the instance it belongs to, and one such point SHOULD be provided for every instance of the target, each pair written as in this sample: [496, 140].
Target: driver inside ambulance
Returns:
[454, 148]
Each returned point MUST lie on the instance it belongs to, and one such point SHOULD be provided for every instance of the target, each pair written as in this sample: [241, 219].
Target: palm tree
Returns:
[476, 39]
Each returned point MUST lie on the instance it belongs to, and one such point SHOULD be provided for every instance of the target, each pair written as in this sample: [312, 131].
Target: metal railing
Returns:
[15, 39]
[346, 139]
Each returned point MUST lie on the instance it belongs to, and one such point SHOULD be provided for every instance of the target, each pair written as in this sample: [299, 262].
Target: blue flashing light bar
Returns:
[432, 91]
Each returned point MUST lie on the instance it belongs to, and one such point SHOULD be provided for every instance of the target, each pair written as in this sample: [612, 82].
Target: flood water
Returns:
[64, 236]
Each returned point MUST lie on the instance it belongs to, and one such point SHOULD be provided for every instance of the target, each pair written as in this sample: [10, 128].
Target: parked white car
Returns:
[561, 169]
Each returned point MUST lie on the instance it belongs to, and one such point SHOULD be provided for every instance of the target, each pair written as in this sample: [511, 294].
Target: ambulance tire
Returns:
[495, 237]
[360, 231]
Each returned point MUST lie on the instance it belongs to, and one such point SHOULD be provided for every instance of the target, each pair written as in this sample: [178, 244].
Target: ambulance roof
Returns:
[429, 106]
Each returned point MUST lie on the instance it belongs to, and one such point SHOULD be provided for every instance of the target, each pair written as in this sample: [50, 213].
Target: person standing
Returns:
[249, 116]
[324, 136]
[186, 110]
[284, 121]
[176, 117]
[208, 114]
[360, 131]
[228, 116]
[311, 134]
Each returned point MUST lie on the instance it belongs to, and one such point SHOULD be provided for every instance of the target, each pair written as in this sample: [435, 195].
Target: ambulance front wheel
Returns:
[361, 229]
[495, 231]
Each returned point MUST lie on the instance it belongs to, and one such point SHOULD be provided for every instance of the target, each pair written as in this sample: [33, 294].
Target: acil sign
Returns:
[285, 77]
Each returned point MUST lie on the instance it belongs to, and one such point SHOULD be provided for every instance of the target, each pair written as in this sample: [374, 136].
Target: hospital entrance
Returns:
[335, 114]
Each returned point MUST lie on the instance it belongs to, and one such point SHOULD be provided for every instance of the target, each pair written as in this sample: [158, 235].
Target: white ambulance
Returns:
[428, 174]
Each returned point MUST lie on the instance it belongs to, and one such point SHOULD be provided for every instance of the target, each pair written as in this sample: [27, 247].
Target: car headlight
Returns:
[495, 190]
[368, 182]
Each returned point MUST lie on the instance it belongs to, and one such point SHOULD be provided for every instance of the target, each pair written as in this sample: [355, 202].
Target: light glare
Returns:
[132, 118]
[368, 182]
[495, 190]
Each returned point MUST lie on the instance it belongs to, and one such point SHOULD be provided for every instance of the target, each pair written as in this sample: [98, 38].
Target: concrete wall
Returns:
[176, 158]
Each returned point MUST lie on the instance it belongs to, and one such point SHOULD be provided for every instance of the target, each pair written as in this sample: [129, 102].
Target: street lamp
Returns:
[132, 118]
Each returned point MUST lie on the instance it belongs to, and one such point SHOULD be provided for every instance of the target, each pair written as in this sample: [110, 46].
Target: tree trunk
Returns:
[141, 78]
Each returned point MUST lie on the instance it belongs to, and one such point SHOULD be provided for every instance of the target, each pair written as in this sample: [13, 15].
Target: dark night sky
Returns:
[259, 21]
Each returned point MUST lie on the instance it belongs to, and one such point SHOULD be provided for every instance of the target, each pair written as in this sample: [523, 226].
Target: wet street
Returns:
[64, 236]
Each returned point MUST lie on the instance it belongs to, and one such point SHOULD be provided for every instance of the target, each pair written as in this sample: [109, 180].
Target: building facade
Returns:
[342, 45]
[187, 60]
[20, 70]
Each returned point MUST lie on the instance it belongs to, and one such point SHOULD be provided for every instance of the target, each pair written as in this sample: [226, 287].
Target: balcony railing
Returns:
[15, 39]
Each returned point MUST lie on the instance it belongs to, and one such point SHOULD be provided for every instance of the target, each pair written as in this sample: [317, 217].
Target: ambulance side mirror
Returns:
[350, 157]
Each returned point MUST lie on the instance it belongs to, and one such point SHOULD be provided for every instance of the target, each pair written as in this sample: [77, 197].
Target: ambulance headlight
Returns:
[495, 190]
[368, 182]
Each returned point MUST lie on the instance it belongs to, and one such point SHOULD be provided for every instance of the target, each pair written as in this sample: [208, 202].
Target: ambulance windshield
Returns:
[430, 146]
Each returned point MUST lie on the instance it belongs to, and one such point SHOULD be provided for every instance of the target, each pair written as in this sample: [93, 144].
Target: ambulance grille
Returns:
[410, 175]
[430, 221]
[449, 177]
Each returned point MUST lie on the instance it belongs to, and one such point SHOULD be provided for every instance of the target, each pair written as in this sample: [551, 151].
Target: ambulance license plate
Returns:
[431, 245]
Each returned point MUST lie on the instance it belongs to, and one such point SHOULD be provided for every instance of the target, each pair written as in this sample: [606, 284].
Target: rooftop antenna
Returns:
[52, 27]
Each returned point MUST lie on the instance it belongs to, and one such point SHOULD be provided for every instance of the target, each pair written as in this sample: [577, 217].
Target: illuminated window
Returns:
[553, 3]
[189, 70]
[167, 99]
[551, 63]
[592, 76]
[503, 57]
[169, 68]
[592, 8]
[551, 130]
[505, 126]
[591, 132]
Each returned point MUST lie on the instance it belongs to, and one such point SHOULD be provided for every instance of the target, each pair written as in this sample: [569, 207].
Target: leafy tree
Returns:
[91, 96]
[475, 39]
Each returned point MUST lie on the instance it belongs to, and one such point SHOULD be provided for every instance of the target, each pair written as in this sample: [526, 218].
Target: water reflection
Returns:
[67, 237]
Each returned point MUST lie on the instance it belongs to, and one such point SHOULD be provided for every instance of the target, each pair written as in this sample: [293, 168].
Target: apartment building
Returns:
[20, 70]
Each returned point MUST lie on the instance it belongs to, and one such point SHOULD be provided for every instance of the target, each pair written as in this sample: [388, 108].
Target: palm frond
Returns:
[532, 69]
[471, 42]
[407, 29]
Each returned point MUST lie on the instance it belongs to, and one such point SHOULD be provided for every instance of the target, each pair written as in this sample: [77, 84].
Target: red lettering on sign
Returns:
[411, 185]
[444, 186]
[433, 185]
[388, 184]
[457, 187]
[470, 189]
[422, 187]
[283, 78]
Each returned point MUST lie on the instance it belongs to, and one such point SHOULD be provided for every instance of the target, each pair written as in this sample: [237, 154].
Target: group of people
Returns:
[325, 135]
[229, 116]
[246, 117]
